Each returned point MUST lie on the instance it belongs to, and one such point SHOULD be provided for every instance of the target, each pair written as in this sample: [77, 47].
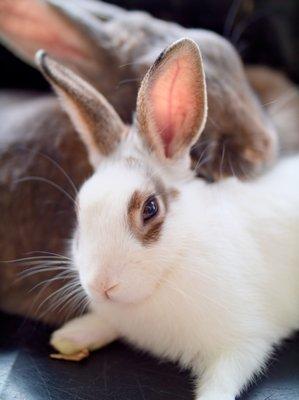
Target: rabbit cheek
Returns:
[134, 290]
[131, 282]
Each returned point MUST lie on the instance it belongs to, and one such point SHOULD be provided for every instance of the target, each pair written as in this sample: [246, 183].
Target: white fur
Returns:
[220, 285]
[215, 292]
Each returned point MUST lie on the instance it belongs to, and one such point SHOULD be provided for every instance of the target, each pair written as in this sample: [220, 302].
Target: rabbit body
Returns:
[231, 292]
[207, 275]
[235, 278]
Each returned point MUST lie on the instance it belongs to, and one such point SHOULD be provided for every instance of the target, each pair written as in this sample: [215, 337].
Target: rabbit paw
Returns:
[68, 341]
[88, 332]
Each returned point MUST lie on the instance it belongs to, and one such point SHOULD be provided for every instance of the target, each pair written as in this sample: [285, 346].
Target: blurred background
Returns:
[263, 31]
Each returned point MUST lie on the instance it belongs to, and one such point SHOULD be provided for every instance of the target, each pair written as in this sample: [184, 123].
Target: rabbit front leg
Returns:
[86, 332]
[226, 376]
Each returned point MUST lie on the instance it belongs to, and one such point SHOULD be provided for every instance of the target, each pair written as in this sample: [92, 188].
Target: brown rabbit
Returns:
[113, 48]
[38, 146]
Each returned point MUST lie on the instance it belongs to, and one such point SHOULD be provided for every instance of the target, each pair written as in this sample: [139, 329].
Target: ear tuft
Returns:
[172, 101]
[39, 58]
[46, 64]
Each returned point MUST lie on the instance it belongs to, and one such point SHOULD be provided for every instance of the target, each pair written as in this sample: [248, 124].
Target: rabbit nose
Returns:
[108, 291]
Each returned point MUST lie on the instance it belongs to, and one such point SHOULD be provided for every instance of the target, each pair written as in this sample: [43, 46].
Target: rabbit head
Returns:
[127, 235]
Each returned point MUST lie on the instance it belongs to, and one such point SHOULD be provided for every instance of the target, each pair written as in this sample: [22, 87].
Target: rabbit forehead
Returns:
[114, 197]
[114, 184]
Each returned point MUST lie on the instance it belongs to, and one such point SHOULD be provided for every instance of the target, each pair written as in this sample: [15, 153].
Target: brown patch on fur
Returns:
[146, 233]
[173, 194]
[153, 233]
[149, 232]
[135, 203]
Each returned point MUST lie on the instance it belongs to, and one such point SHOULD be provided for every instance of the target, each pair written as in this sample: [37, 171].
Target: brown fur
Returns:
[73, 36]
[99, 125]
[280, 98]
[35, 216]
[151, 231]
[125, 44]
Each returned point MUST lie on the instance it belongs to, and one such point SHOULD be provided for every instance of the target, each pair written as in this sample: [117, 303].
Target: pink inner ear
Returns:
[174, 103]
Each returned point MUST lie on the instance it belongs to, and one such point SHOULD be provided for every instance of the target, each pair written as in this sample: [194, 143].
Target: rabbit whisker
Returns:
[56, 164]
[231, 165]
[32, 259]
[43, 267]
[30, 273]
[282, 101]
[48, 252]
[191, 300]
[65, 300]
[62, 275]
[49, 182]
[222, 161]
[69, 286]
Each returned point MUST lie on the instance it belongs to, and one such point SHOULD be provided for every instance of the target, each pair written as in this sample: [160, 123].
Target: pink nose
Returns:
[108, 292]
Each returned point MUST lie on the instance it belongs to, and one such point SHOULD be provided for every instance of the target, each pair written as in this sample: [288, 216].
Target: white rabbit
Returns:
[204, 274]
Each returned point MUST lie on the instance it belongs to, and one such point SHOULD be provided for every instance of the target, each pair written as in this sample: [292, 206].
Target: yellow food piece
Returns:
[80, 355]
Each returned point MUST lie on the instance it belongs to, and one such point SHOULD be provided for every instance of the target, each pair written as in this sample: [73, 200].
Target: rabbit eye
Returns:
[150, 209]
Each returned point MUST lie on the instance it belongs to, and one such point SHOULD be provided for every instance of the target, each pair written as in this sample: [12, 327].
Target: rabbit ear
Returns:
[58, 26]
[172, 101]
[98, 124]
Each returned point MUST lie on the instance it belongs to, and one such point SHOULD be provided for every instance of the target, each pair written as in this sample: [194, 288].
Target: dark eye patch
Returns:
[147, 212]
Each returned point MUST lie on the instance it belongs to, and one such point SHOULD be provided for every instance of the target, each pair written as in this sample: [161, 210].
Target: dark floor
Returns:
[113, 373]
